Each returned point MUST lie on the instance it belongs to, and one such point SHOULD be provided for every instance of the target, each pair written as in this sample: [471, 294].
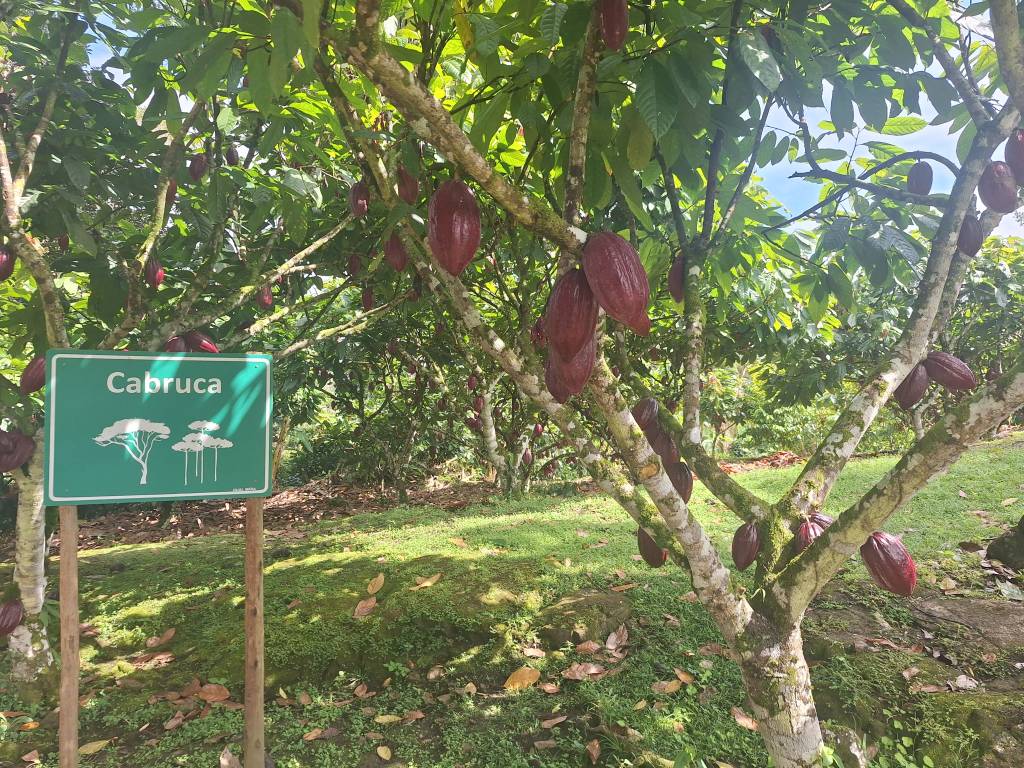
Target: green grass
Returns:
[519, 557]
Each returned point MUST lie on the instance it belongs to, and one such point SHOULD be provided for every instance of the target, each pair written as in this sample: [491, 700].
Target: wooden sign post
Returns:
[131, 426]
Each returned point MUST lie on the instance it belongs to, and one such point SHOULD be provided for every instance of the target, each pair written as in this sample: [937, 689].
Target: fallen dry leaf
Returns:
[228, 760]
[617, 639]
[545, 744]
[166, 637]
[458, 541]
[552, 722]
[387, 719]
[642, 704]
[412, 715]
[666, 686]
[624, 587]
[743, 720]
[32, 757]
[684, 677]
[910, 673]
[304, 699]
[469, 689]
[593, 750]
[522, 678]
[435, 673]
[176, 720]
[31, 725]
[93, 747]
[534, 653]
[313, 735]
[588, 647]
[375, 584]
[549, 687]
[422, 583]
[365, 607]
[384, 753]
[583, 670]
[213, 692]
[1008, 502]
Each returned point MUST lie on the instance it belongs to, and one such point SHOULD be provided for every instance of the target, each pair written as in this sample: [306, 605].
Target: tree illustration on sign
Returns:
[200, 441]
[186, 448]
[137, 437]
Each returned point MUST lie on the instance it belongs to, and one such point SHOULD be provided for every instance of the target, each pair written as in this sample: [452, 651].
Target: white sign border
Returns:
[51, 380]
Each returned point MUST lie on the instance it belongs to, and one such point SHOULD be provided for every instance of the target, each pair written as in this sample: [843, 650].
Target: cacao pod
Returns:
[682, 479]
[571, 315]
[806, 533]
[11, 614]
[889, 563]
[355, 263]
[153, 272]
[919, 179]
[478, 403]
[453, 226]
[395, 254]
[408, 187]
[677, 278]
[471, 382]
[34, 376]
[553, 381]
[538, 430]
[645, 413]
[64, 242]
[15, 449]
[367, 299]
[663, 445]
[198, 341]
[652, 554]
[998, 187]
[474, 423]
[950, 372]
[7, 261]
[265, 297]
[169, 196]
[231, 155]
[912, 388]
[574, 372]
[197, 167]
[359, 199]
[175, 344]
[1014, 154]
[614, 22]
[821, 519]
[527, 457]
[537, 335]
[746, 545]
[618, 280]
[971, 236]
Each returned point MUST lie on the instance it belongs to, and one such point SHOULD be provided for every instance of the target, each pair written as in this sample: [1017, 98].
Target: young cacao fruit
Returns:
[408, 187]
[682, 479]
[971, 236]
[33, 377]
[889, 563]
[652, 554]
[265, 297]
[677, 278]
[359, 199]
[919, 179]
[471, 382]
[571, 315]
[175, 344]
[197, 167]
[618, 280]
[11, 614]
[153, 272]
[950, 372]
[998, 187]
[355, 263]
[7, 261]
[367, 299]
[15, 449]
[453, 226]
[746, 545]
[527, 457]
[807, 532]
[537, 335]
[912, 389]
[395, 254]
[231, 155]
[1014, 155]
[170, 195]
[614, 16]
[478, 403]
[198, 341]
[538, 430]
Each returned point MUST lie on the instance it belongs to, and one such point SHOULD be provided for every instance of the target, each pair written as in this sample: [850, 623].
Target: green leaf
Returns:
[287, 36]
[311, 22]
[227, 120]
[842, 108]
[486, 33]
[205, 74]
[303, 185]
[257, 63]
[840, 284]
[551, 22]
[626, 180]
[759, 59]
[903, 126]
[640, 144]
[963, 144]
[656, 97]
[77, 171]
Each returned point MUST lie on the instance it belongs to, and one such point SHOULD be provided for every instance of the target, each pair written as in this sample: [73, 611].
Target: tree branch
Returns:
[585, 86]
[748, 171]
[355, 325]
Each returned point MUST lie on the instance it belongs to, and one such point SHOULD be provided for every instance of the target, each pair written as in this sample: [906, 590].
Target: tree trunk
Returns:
[917, 421]
[29, 647]
[283, 428]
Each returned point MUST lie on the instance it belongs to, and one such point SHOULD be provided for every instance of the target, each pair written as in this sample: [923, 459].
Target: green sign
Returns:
[133, 426]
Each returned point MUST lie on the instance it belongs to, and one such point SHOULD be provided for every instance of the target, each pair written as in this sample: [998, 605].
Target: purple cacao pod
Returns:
[527, 457]
[538, 430]
[478, 403]
[265, 297]
[197, 341]
[367, 299]
[746, 545]
[1014, 154]
[231, 155]
[408, 187]
[7, 262]
[912, 389]
[821, 519]
[572, 374]
[355, 263]
[571, 315]
[359, 199]
[652, 554]
[11, 614]
[618, 280]
[15, 449]
[998, 187]
[645, 413]
[682, 479]
[453, 226]
[806, 533]
[950, 372]
[197, 167]
[471, 382]
[677, 278]
[395, 254]
[971, 236]
[474, 423]
[614, 18]
[153, 272]
[889, 563]
[34, 376]
[919, 179]
[175, 344]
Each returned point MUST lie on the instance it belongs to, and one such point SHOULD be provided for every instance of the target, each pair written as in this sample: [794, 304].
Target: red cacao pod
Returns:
[645, 413]
[652, 554]
[355, 263]
[912, 389]
[453, 226]
[889, 563]
[34, 376]
[408, 187]
[7, 261]
[11, 614]
[746, 545]
[170, 195]
[1014, 154]
[153, 272]
[821, 519]
[971, 236]
[367, 299]
[618, 280]
[198, 341]
[475, 424]
[478, 403]
[537, 335]
[614, 22]
[231, 155]
[919, 179]
[527, 457]
[359, 199]
[682, 479]
[15, 449]
[175, 344]
[950, 372]
[574, 372]
[663, 445]
[395, 254]
[64, 242]
[197, 167]
[807, 532]
[998, 187]
[265, 297]
[538, 430]
[471, 382]
[677, 278]
[554, 383]
[571, 315]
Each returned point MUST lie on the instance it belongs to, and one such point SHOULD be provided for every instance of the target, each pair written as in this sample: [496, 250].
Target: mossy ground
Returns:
[500, 564]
